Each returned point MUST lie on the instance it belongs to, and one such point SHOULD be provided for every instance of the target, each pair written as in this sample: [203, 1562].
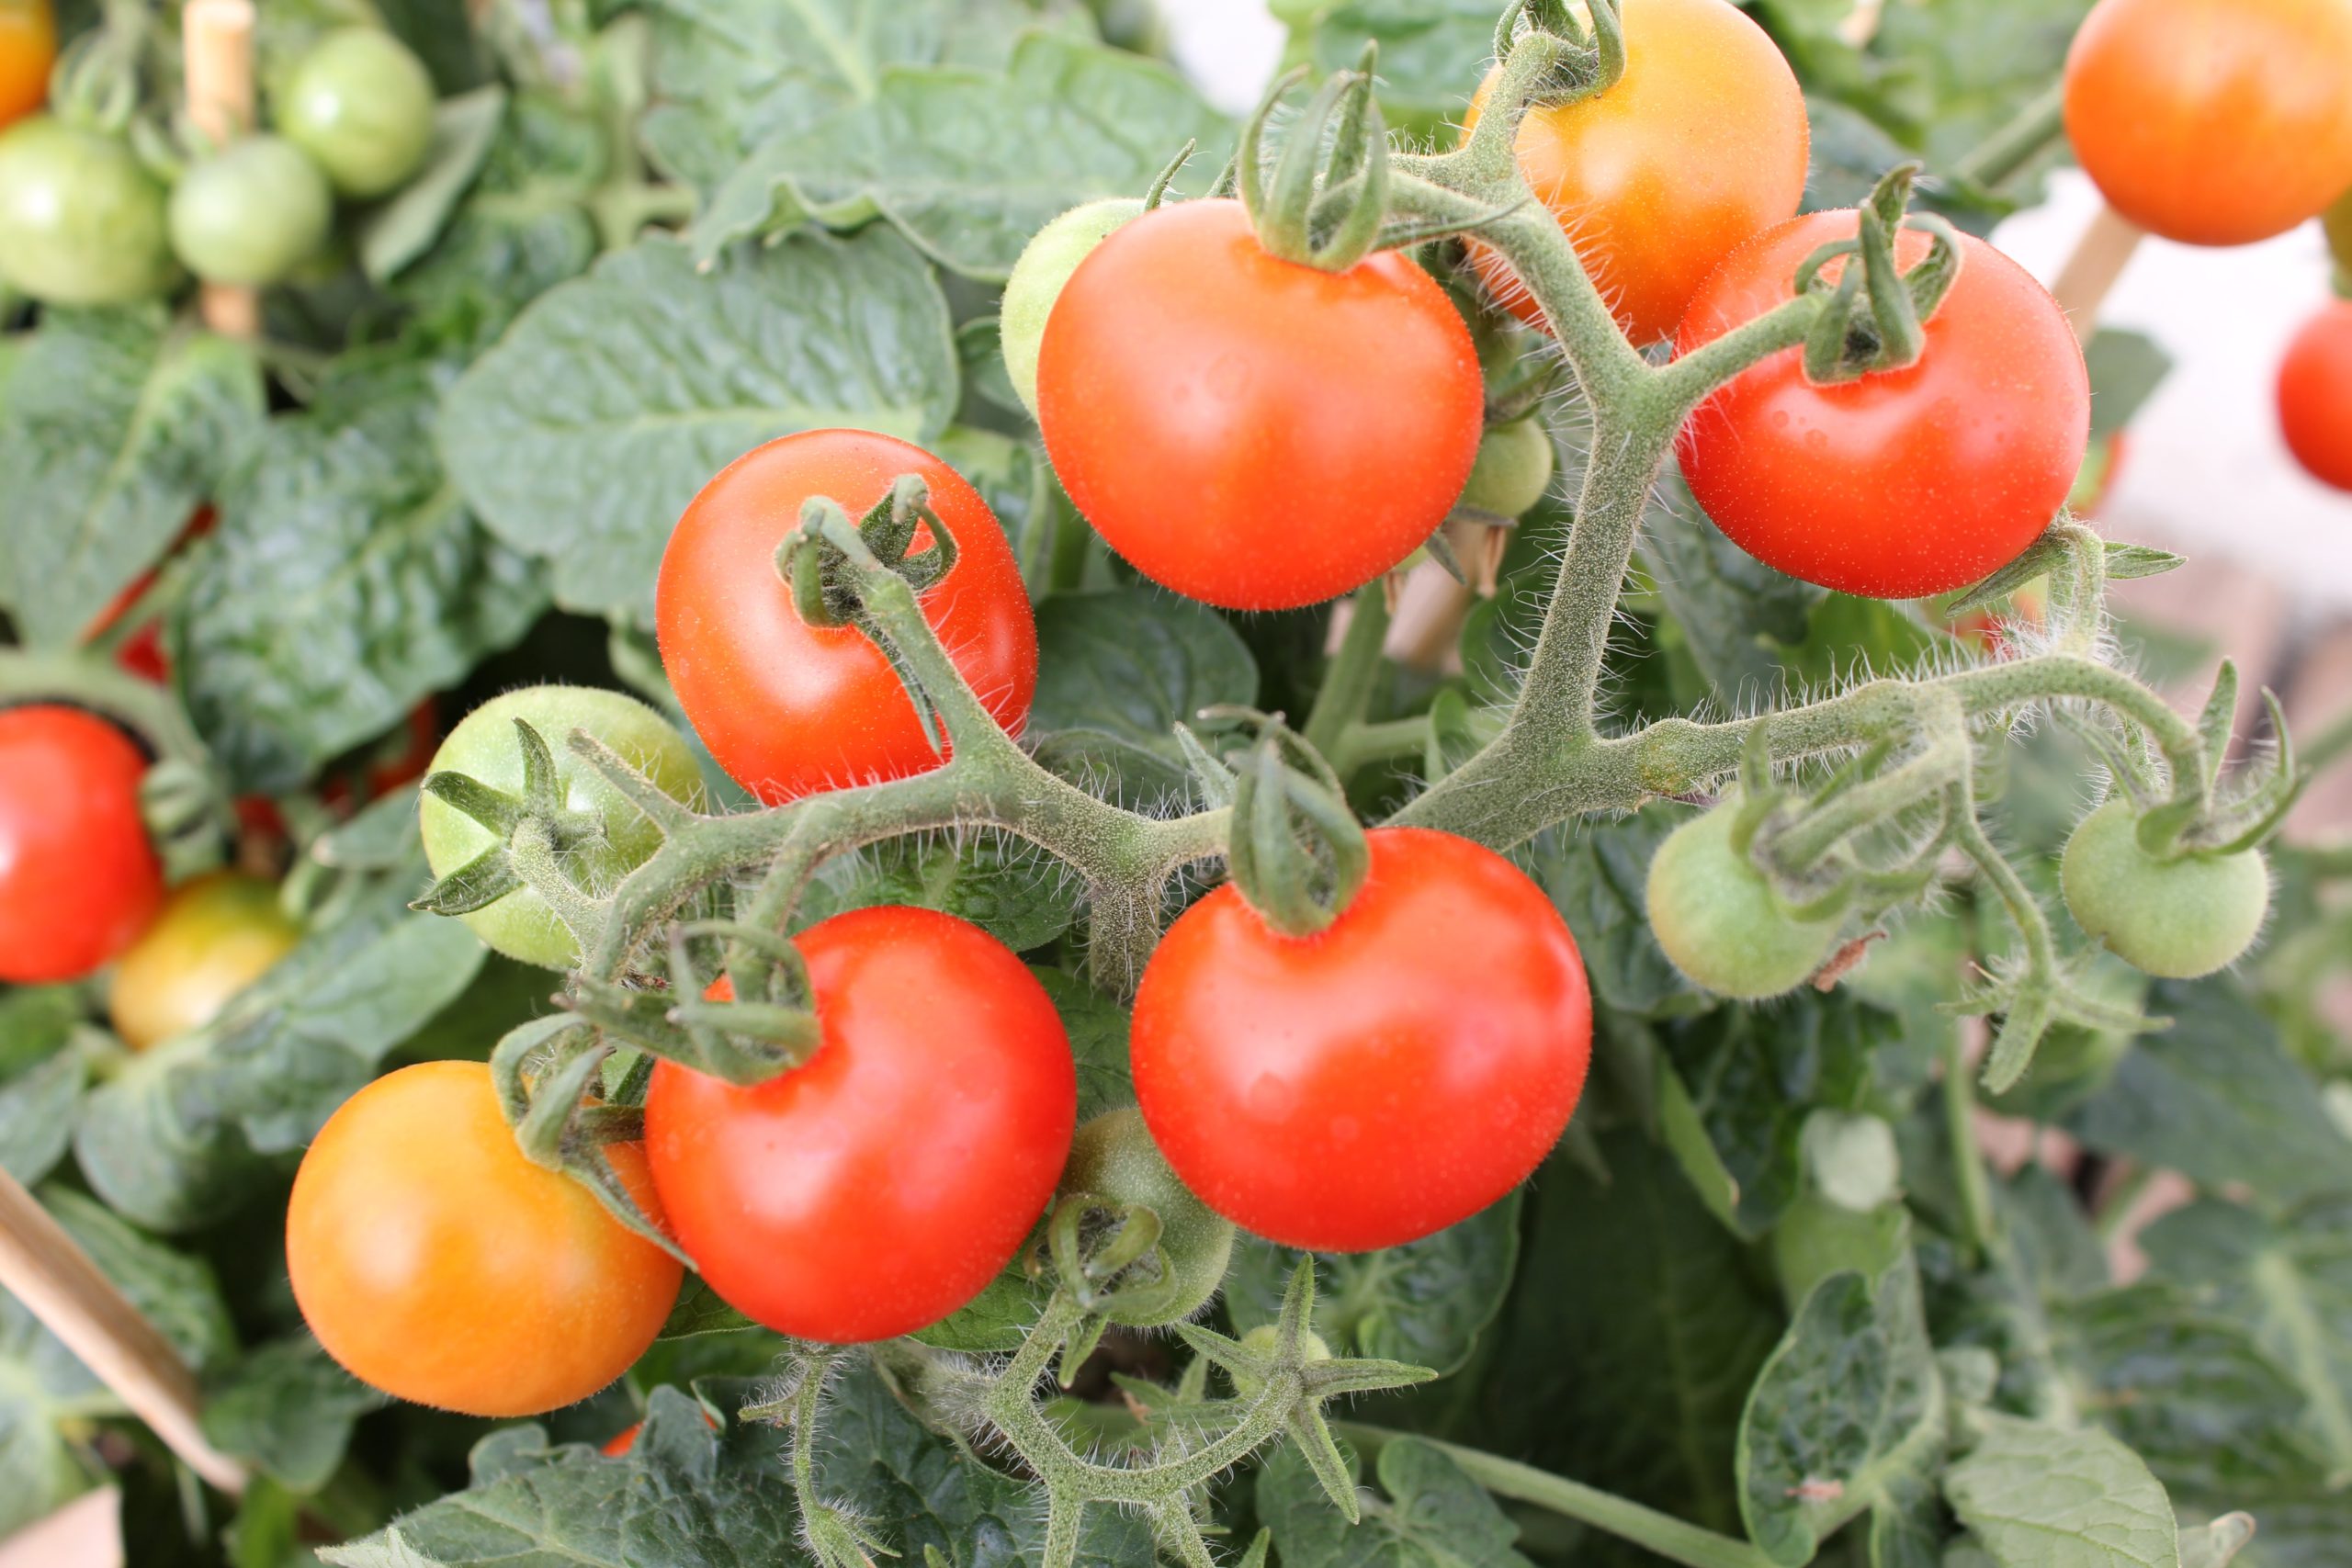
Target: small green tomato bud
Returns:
[1261, 1341]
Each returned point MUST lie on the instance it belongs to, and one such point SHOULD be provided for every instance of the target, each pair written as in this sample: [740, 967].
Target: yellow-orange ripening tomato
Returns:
[1702, 145]
[27, 50]
[436, 1262]
[216, 936]
[2215, 122]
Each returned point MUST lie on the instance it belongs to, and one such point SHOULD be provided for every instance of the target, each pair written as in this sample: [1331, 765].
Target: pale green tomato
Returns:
[252, 214]
[361, 105]
[1037, 278]
[2175, 919]
[1112, 1158]
[1514, 469]
[80, 220]
[1720, 920]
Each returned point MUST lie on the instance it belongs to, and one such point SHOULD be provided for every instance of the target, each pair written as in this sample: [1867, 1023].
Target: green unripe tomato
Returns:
[80, 220]
[216, 936]
[1719, 920]
[1261, 1341]
[2176, 919]
[252, 214]
[1045, 264]
[361, 105]
[1112, 1158]
[485, 746]
[1514, 468]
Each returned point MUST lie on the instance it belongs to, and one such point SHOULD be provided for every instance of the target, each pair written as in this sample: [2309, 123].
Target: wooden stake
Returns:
[2098, 260]
[217, 42]
[46, 1269]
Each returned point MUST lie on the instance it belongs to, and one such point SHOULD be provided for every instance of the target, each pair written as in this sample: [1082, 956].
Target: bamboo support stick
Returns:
[46, 1269]
[2100, 258]
[216, 42]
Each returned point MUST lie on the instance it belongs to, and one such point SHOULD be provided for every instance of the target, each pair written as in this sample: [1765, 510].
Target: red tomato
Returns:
[2315, 395]
[1381, 1080]
[1906, 482]
[2216, 122]
[787, 708]
[27, 50]
[1701, 146]
[78, 879]
[878, 1186]
[1249, 432]
[142, 652]
[436, 1261]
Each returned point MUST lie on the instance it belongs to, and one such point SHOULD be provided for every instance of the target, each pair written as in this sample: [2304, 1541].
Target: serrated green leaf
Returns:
[616, 397]
[2039, 1497]
[1432, 53]
[969, 164]
[1433, 1516]
[1847, 1417]
[118, 426]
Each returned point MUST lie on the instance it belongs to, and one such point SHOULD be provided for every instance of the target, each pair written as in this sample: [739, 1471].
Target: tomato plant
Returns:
[360, 105]
[252, 214]
[2315, 395]
[1251, 432]
[1698, 148]
[877, 1187]
[610, 837]
[436, 1262]
[78, 880]
[1903, 482]
[27, 50]
[81, 223]
[1382, 1079]
[789, 707]
[212, 938]
[2179, 916]
[2217, 122]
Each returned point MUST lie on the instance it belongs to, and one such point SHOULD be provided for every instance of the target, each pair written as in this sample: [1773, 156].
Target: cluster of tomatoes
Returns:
[1257, 434]
[86, 220]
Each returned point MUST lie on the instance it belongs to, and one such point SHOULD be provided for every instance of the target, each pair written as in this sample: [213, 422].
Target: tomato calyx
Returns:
[809, 561]
[534, 829]
[1594, 60]
[1297, 852]
[1875, 316]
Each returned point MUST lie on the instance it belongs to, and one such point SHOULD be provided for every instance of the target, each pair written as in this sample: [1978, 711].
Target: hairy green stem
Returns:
[2031, 132]
[1647, 1527]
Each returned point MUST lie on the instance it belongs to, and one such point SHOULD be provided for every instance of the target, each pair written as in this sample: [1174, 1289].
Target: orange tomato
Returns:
[434, 1261]
[28, 50]
[2214, 122]
[1698, 148]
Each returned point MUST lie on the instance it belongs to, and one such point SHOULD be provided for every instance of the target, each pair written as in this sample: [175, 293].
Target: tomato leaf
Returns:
[42, 1074]
[615, 398]
[969, 164]
[115, 427]
[403, 228]
[1425, 1302]
[1847, 1417]
[2041, 1496]
[1434, 1516]
[1116, 673]
[1595, 874]
[1432, 53]
[731, 75]
[346, 581]
[288, 1409]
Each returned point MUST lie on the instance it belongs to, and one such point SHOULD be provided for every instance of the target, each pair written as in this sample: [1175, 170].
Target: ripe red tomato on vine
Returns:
[2315, 395]
[2215, 122]
[79, 881]
[878, 1186]
[1904, 482]
[789, 708]
[436, 1262]
[1383, 1079]
[1699, 147]
[1254, 433]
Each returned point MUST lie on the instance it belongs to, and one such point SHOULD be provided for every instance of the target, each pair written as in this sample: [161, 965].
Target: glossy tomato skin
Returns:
[78, 879]
[251, 214]
[1249, 432]
[1701, 146]
[1379, 1081]
[2315, 395]
[787, 708]
[215, 936]
[28, 50]
[1906, 482]
[434, 1261]
[2214, 122]
[360, 104]
[880, 1185]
